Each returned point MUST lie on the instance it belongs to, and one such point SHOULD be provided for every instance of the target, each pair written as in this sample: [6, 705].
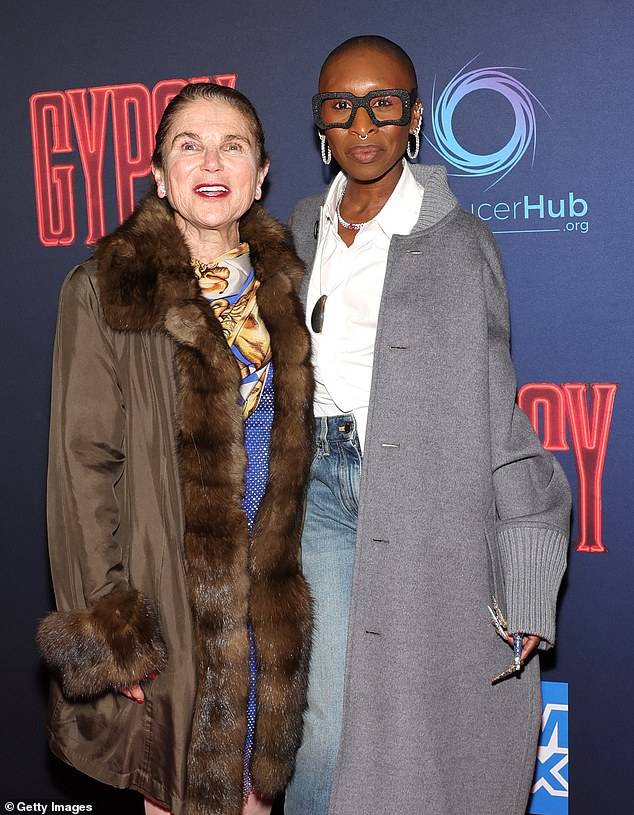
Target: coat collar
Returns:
[438, 199]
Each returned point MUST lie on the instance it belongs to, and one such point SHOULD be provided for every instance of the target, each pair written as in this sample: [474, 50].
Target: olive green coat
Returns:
[153, 568]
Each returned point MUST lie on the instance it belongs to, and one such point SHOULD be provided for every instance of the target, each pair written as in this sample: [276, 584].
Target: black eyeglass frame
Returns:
[408, 98]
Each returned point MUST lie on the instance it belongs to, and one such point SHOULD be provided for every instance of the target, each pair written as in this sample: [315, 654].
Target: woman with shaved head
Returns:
[430, 492]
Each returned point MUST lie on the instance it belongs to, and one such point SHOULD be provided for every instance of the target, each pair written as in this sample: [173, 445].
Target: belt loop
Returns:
[354, 424]
[321, 435]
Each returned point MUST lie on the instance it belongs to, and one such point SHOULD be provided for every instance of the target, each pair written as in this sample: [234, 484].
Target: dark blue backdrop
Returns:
[568, 76]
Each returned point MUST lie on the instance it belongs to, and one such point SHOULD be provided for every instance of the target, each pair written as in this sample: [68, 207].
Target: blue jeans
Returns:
[328, 545]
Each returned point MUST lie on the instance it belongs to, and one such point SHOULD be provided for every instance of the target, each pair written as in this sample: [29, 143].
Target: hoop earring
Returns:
[326, 154]
[412, 155]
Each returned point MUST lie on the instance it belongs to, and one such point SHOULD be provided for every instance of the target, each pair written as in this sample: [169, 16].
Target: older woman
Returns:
[180, 443]
[429, 490]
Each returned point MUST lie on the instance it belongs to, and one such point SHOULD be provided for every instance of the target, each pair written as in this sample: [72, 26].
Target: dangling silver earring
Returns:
[412, 155]
[326, 154]
[162, 189]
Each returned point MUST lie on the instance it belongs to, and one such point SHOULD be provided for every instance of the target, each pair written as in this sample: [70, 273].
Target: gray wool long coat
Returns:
[458, 501]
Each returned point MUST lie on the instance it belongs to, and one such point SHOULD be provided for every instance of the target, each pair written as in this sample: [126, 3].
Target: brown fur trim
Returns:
[281, 609]
[113, 643]
[145, 269]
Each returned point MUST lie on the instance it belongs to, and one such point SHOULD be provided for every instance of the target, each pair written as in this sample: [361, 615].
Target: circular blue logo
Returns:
[518, 96]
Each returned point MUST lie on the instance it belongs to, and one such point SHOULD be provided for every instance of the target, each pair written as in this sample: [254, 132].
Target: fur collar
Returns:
[144, 265]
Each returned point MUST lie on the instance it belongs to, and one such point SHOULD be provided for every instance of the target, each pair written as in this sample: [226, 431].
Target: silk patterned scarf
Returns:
[229, 284]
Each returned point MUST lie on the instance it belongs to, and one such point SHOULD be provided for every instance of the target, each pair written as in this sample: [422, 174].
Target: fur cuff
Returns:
[113, 643]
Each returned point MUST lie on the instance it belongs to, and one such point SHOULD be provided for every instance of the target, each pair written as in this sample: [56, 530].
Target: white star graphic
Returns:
[546, 751]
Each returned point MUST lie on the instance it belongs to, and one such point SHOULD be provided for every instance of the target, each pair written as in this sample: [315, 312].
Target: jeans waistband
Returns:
[335, 428]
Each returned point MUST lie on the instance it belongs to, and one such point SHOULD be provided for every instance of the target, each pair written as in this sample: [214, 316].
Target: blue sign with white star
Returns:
[549, 793]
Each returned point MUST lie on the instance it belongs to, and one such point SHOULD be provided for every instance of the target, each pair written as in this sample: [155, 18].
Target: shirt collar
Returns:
[400, 212]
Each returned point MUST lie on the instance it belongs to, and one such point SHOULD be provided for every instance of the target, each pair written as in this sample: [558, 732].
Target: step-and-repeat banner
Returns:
[530, 107]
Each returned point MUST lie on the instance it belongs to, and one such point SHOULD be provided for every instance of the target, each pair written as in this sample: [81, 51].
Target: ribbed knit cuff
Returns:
[533, 561]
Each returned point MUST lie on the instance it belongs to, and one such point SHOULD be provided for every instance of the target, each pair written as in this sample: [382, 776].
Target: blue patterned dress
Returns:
[257, 433]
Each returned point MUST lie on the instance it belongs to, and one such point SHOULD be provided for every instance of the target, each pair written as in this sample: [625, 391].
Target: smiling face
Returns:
[364, 151]
[210, 174]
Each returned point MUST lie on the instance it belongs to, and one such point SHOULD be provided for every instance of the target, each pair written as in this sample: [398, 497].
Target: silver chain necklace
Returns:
[347, 224]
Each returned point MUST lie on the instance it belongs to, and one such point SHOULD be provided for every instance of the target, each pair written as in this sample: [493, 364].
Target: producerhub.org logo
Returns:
[501, 161]
[522, 211]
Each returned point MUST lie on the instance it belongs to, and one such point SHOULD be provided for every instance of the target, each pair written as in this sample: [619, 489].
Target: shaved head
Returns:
[375, 43]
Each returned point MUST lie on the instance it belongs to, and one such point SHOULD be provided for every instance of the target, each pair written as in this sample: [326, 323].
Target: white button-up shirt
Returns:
[352, 279]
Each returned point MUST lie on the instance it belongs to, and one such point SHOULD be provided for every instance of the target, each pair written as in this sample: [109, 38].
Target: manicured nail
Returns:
[153, 676]
[140, 701]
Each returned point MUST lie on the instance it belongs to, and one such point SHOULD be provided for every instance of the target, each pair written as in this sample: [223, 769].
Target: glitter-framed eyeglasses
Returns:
[392, 106]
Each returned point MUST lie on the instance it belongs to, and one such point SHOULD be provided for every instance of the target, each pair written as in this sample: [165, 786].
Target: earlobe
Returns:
[160, 184]
[261, 176]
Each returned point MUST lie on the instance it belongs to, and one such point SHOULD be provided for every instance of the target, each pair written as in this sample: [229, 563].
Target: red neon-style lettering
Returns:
[135, 116]
[162, 94]
[90, 131]
[550, 398]
[133, 139]
[51, 135]
[229, 80]
[589, 440]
